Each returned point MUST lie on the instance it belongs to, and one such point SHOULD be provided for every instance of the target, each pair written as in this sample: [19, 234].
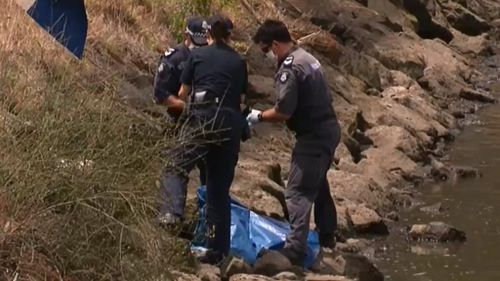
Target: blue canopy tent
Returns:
[65, 20]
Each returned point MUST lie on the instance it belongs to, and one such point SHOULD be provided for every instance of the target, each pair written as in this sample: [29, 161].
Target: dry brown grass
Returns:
[77, 178]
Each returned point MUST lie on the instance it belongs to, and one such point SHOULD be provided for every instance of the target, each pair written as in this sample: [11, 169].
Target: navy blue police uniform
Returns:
[167, 80]
[303, 94]
[219, 78]
[167, 83]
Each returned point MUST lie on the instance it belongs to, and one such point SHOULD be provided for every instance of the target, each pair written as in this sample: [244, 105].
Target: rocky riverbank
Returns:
[407, 77]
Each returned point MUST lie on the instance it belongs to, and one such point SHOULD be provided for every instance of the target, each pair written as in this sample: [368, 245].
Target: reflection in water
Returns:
[472, 205]
[430, 250]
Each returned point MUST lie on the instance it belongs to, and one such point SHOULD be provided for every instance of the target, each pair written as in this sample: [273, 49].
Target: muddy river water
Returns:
[472, 206]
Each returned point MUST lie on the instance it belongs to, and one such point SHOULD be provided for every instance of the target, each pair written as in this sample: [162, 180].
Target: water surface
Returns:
[471, 205]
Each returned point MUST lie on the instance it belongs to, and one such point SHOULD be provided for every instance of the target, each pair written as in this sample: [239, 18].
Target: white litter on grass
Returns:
[80, 165]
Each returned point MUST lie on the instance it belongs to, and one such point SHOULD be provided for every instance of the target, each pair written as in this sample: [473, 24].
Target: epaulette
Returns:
[169, 52]
[161, 67]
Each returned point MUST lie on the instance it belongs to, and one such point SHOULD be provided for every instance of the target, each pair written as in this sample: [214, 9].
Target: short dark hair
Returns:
[272, 30]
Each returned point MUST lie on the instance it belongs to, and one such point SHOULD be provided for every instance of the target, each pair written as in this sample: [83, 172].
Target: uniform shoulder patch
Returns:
[169, 52]
[284, 77]
[288, 61]
[316, 65]
[161, 67]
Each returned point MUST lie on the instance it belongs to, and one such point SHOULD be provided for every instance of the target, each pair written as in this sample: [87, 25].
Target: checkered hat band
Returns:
[196, 34]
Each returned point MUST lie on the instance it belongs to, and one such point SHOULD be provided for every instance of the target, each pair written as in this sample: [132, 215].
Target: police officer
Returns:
[304, 102]
[167, 81]
[166, 88]
[213, 81]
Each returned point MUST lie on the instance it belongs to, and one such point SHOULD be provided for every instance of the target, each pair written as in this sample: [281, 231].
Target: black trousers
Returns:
[174, 190]
[218, 143]
[308, 186]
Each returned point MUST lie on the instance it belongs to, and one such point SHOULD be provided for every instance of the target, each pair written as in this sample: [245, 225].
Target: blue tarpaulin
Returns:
[251, 233]
[65, 20]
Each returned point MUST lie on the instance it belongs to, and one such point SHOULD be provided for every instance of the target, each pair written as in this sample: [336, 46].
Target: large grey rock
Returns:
[444, 172]
[272, 263]
[316, 277]
[181, 276]
[248, 277]
[356, 188]
[277, 191]
[487, 9]
[253, 188]
[395, 13]
[325, 266]
[440, 171]
[286, 276]
[366, 68]
[233, 266]
[464, 172]
[343, 223]
[478, 45]
[366, 220]
[474, 95]
[208, 272]
[261, 88]
[430, 25]
[402, 198]
[400, 55]
[398, 138]
[414, 98]
[436, 231]
[354, 266]
[464, 20]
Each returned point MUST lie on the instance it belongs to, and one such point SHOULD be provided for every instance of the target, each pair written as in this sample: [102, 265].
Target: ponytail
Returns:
[219, 33]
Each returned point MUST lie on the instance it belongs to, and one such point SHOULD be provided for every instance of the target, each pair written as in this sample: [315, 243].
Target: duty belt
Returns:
[203, 99]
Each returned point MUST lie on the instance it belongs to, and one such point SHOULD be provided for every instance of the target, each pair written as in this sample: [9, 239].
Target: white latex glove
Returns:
[254, 117]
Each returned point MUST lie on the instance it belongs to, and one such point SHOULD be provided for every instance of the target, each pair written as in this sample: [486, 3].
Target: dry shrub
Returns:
[78, 170]
[78, 193]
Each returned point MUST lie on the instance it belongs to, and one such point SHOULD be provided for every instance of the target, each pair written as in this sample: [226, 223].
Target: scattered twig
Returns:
[302, 39]
[251, 10]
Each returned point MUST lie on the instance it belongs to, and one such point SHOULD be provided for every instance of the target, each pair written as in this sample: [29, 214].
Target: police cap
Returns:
[196, 31]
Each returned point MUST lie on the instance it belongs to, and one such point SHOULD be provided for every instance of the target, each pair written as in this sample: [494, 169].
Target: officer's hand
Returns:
[254, 117]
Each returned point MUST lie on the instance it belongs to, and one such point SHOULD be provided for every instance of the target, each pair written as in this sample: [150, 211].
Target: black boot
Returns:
[327, 240]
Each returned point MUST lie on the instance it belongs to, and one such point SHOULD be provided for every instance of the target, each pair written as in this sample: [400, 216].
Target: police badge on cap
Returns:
[196, 31]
